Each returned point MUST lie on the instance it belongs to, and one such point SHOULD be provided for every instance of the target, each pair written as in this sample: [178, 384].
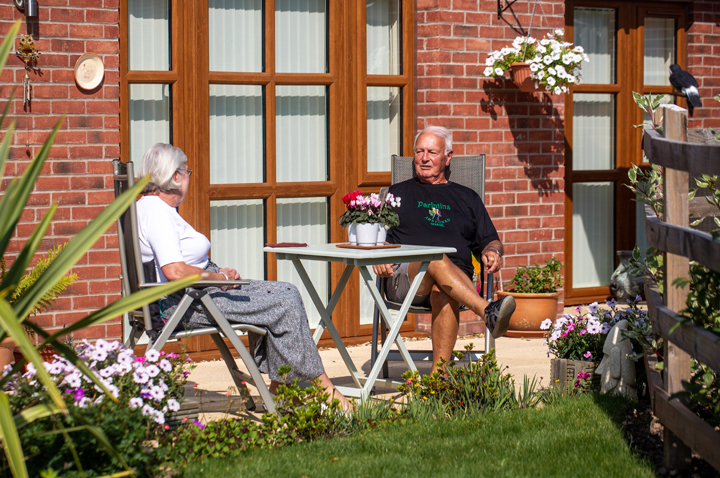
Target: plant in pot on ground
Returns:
[535, 290]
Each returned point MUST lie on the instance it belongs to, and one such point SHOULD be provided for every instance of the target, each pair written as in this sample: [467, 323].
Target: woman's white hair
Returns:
[161, 161]
[440, 132]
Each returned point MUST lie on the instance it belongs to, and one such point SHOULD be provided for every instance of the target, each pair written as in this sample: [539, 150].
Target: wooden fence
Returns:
[684, 430]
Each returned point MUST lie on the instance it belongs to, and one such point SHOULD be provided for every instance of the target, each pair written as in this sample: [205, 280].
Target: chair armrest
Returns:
[202, 284]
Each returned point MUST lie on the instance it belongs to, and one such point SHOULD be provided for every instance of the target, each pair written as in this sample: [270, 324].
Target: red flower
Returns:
[350, 197]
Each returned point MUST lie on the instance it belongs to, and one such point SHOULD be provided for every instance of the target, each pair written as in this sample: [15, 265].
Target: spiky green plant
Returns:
[13, 316]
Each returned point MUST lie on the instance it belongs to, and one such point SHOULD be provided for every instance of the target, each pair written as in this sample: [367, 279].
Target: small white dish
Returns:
[89, 71]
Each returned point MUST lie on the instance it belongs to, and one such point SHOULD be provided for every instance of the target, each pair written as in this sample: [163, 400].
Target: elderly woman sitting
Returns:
[180, 251]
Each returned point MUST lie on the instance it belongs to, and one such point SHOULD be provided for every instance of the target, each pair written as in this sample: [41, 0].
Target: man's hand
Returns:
[383, 270]
[490, 257]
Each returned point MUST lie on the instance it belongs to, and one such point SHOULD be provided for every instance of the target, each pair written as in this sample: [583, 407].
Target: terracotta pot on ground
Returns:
[520, 74]
[47, 354]
[531, 310]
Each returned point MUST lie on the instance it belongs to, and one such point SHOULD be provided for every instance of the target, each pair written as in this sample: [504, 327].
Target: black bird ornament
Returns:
[686, 85]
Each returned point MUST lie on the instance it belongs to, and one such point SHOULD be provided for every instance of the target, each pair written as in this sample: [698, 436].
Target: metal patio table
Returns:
[362, 258]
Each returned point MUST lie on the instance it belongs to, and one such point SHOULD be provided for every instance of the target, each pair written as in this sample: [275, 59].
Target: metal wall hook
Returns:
[501, 9]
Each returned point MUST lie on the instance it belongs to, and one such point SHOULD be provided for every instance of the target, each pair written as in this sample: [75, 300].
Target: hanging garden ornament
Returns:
[29, 54]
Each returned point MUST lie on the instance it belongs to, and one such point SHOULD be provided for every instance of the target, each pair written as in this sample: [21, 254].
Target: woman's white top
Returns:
[167, 237]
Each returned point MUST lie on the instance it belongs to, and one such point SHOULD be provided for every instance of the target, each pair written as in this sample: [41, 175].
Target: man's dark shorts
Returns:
[397, 287]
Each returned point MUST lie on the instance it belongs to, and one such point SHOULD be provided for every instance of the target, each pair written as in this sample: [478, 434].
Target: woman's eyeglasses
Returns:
[186, 171]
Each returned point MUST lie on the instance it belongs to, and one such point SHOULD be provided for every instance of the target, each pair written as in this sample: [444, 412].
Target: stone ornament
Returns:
[617, 371]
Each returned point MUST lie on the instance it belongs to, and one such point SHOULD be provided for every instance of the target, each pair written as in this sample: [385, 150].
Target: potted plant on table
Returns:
[368, 218]
[535, 290]
[550, 62]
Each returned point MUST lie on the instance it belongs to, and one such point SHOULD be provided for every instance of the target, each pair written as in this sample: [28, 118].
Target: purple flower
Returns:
[593, 307]
[79, 394]
[612, 303]
[198, 424]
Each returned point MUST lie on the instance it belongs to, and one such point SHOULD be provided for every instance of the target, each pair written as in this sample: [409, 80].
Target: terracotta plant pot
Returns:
[520, 74]
[531, 310]
[47, 353]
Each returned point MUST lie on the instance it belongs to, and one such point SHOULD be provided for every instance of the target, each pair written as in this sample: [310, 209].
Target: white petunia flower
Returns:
[83, 402]
[534, 67]
[102, 345]
[107, 371]
[148, 410]
[540, 74]
[162, 386]
[557, 90]
[552, 71]
[165, 365]
[550, 82]
[140, 376]
[98, 355]
[593, 308]
[547, 59]
[173, 405]
[545, 324]
[499, 71]
[157, 393]
[594, 327]
[488, 72]
[152, 355]
[544, 41]
[72, 380]
[152, 370]
[560, 32]
[159, 418]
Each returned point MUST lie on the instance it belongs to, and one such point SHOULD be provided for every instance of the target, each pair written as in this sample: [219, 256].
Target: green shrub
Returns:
[537, 278]
[480, 386]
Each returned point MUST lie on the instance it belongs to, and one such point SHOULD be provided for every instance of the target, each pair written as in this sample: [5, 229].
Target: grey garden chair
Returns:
[137, 275]
[468, 171]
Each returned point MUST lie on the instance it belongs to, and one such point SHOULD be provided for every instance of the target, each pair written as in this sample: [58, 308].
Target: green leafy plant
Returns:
[702, 393]
[650, 265]
[537, 278]
[479, 386]
[648, 104]
[717, 135]
[647, 186]
[14, 316]
[702, 306]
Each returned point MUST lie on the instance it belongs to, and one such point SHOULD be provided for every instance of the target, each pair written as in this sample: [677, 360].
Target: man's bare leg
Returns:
[445, 324]
[452, 281]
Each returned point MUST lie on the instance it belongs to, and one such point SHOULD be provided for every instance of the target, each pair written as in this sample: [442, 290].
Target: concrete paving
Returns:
[211, 383]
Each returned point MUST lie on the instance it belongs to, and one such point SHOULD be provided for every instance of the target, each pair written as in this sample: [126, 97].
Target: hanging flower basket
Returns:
[520, 75]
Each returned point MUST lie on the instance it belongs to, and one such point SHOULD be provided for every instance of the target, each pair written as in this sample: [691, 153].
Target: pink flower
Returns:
[140, 359]
[583, 332]
[587, 355]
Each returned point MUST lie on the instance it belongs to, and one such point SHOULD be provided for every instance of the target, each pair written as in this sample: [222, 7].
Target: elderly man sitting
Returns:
[437, 212]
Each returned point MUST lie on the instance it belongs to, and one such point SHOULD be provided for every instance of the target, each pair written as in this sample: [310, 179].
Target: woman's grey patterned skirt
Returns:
[278, 307]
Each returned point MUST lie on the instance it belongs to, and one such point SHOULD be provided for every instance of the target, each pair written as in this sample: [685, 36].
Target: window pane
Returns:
[149, 34]
[300, 36]
[304, 220]
[593, 234]
[593, 131]
[659, 50]
[383, 126]
[595, 31]
[301, 127]
[236, 35]
[237, 150]
[383, 37]
[149, 112]
[237, 236]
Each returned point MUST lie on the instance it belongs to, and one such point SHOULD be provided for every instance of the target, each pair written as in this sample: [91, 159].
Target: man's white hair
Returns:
[440, 132]
[161, 161]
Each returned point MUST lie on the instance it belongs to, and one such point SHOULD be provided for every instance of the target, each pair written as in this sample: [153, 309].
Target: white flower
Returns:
[135, 402]
[162, 386]
[593, 308]
[152, 355]
[555, 336]
[552, 71]
[56, 367]
[567, 59]
[564, 89]
[122, 368]
[107, 371]
[534, 67]
[83, 402]
[125, 357]
[102, 345]
[557, 90]
[570, 79]
[72, 380]
[499, 71]
[544, 41]
[488, 72]
[152, 370]
[561, 74]
[540, 74]
[560, 32]
[148, 410]
[594, 327]
[489, 61]
[555, 55]
[157, 393]
[173, 405]
[545, 324]
[547, 59]
[578, 49]
[98, 355]
[159, 418]
[140, 376]
[550, 81]
[165, 365]
[585, 57]
[605, 328]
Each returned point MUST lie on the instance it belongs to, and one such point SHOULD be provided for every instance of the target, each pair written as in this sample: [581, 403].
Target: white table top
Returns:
[332, 253]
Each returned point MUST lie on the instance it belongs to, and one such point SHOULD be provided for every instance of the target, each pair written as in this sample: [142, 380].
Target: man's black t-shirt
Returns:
[447, 215]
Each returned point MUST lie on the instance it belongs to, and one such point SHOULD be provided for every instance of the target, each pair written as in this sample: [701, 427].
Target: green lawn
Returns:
[573, 437]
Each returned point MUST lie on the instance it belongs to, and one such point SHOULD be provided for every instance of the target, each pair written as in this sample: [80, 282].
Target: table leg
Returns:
[386, 317]
[325, 314]
[394, 328]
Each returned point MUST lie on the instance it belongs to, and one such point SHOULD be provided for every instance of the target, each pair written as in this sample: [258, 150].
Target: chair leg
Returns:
[232, 368]
[373, 348]
[383, 336]
[135, 334]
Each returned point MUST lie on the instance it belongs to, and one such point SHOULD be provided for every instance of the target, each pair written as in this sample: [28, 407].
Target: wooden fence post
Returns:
[676, 211]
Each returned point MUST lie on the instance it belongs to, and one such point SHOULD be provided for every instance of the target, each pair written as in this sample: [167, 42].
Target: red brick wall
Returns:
[703, 47]
[521, 134]
[77, 175]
